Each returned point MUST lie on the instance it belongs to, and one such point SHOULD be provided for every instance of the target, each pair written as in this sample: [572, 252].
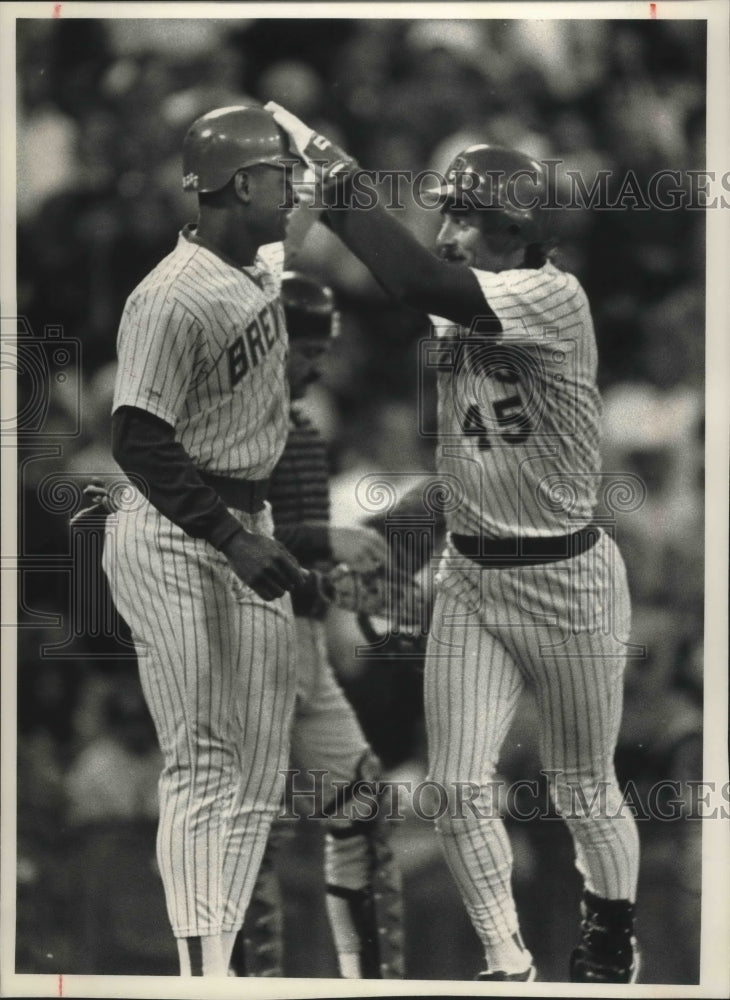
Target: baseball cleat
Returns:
[607, 952]
[498, 976]
[623, 968]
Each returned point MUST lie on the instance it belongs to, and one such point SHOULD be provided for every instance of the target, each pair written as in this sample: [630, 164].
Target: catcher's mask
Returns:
[386, 643]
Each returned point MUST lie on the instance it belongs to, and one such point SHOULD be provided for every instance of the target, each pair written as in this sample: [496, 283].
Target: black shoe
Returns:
[607, 952]
[585, 968]
[528, 976]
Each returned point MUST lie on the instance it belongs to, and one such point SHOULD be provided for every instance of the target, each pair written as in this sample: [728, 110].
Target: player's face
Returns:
[272, 200]
[462, 240]
[304, 365]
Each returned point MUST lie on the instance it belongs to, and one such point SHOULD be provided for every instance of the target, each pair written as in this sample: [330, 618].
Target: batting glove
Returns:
[328, 161]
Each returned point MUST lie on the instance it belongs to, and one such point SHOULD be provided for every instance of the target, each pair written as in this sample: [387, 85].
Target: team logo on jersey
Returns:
[249, 348]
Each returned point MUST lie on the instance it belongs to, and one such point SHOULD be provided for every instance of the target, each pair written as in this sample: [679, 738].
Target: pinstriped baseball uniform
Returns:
[518, 416]
[202, 345]
[519, 420]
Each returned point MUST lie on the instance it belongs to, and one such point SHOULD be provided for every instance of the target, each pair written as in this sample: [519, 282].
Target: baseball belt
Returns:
[247, 495]
[501, 553]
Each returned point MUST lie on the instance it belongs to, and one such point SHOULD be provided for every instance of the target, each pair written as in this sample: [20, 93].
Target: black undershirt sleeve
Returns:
[144, 445]
[406, 269]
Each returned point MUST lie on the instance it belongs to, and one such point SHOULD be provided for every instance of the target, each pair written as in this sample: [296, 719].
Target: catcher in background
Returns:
[531, 590]
[363, 892]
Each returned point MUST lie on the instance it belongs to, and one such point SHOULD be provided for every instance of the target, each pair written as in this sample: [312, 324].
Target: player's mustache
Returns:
[449, 252]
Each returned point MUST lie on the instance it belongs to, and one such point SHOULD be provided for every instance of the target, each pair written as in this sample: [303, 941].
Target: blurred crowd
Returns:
[102, 109]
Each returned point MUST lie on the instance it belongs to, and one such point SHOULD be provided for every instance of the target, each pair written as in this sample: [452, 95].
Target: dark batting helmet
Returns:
[309, 306]
[230, 139]
[509, 188]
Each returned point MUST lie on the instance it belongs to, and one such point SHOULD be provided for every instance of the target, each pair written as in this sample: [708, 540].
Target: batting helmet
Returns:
[509, 187]
[309, 306]
[230, 139]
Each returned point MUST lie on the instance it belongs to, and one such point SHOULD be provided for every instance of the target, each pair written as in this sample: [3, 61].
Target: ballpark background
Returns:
[102, 109]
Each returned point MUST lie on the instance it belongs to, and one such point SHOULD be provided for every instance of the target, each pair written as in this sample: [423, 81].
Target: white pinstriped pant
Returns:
[560, 628]
[217, 667]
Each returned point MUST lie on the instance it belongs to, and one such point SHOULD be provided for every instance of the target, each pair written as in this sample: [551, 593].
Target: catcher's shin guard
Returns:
[364, 897]
[259, 947]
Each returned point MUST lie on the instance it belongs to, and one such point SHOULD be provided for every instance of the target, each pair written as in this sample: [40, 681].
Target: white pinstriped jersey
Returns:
[519, 412]
[202, 344]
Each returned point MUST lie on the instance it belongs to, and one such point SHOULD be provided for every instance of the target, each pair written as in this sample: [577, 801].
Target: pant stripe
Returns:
[546, 627]
[218, 677]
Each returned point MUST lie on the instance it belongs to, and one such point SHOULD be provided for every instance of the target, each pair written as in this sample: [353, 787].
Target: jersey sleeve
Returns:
[157, 349]
[528, 303]
[272, 258]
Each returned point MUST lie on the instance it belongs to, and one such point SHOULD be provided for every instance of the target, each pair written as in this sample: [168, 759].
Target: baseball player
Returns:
[200, 418]
[363, 893]
[531, 591]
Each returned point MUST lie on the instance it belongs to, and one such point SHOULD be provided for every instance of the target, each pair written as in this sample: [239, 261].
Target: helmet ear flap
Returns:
[500, 232]
[504, 243]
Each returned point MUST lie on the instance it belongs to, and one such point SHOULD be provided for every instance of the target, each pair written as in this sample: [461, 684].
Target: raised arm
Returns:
[404, 268]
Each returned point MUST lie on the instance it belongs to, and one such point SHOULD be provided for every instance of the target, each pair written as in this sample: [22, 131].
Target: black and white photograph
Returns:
[364, 431]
